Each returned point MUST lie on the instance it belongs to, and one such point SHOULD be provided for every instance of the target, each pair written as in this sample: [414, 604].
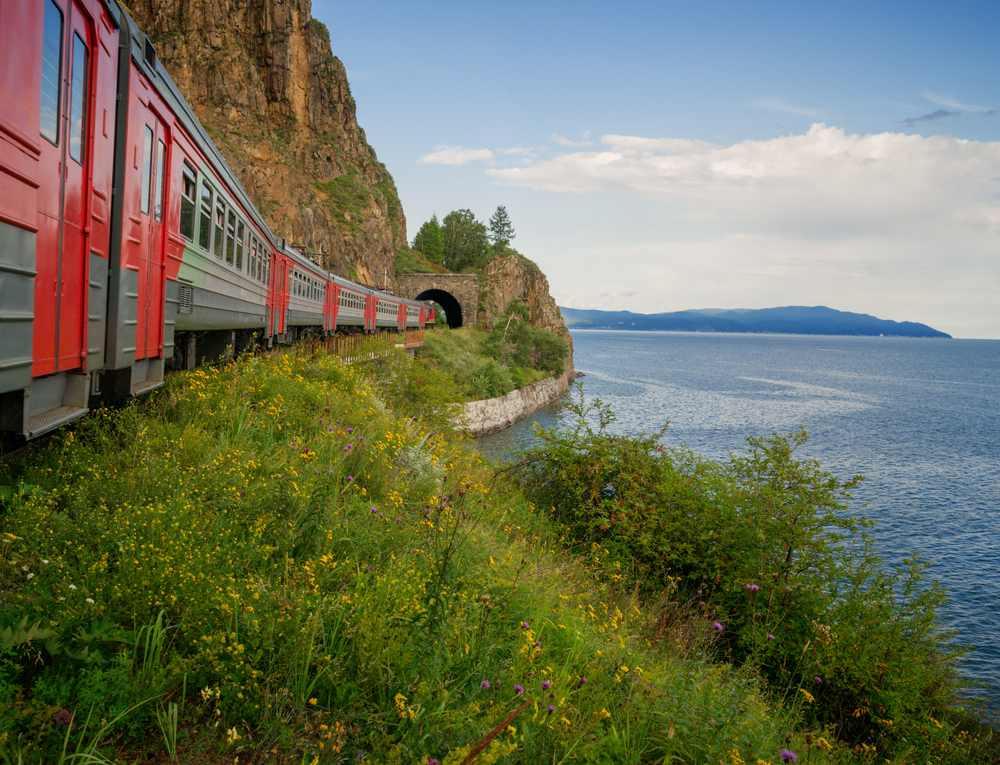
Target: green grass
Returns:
[291, 560]
[460, 354]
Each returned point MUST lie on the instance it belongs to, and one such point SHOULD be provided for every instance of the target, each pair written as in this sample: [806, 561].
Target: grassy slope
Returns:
[294, 563]
[458, 354]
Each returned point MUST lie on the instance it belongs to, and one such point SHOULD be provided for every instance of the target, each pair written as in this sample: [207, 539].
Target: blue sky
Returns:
[662, 156]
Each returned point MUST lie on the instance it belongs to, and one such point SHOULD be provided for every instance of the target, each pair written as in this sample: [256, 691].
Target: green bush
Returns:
[765, 549]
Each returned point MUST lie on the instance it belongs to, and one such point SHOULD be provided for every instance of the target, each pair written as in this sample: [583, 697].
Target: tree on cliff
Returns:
[429, 240]
[501, 230]
[466, 244]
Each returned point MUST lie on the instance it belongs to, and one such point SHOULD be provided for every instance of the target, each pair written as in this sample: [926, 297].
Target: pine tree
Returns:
[429, 240]
[501, 230]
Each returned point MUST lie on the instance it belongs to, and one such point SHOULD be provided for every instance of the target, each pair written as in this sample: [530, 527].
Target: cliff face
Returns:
[262, 79]
[513, 277]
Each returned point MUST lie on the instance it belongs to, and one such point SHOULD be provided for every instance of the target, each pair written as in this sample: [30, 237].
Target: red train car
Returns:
[58, 90]
[127, 245]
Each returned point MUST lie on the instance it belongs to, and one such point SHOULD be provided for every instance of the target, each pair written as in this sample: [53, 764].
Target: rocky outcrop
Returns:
[511, 277]
[262, 79]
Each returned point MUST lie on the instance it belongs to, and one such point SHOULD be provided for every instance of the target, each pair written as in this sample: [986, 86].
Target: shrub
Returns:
[765, 548]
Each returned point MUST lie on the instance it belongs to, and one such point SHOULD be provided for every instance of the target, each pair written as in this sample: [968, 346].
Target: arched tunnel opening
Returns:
[452, 308]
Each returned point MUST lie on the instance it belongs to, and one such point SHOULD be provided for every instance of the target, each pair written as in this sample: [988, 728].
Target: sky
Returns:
[663, 156]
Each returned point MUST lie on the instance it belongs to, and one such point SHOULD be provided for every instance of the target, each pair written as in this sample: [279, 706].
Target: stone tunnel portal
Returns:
[452, 308]
[457, 294]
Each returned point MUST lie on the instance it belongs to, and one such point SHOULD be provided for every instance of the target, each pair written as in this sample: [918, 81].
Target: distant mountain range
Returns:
[792, 320]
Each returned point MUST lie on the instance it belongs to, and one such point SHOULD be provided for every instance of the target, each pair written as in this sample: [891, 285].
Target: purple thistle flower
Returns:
[399, 520]
[485, 684]
[718, 627]
[818, 679]
[373, 510]
[789, 756]
[432, 761]
[546, 684]
[770, 637]
[329, 429]
[524, 625]
[538, 644]
[753, 587]
[583, 681]
[350, 478]
[321, 419]
[348, 447]
[552, 708]
[518, 689]
[361, 438]
[350, 430]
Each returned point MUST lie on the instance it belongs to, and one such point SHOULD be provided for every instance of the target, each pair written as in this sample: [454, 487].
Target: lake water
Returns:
[920, 418]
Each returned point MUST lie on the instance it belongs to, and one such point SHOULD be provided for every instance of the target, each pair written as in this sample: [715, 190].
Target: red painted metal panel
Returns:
[66, 62]
[147, 207]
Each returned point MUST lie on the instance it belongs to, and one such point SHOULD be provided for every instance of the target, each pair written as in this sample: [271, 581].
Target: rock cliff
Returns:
[262, 79]
[512, 277]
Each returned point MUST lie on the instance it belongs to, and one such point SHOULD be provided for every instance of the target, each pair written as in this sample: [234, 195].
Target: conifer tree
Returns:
[501, 230]
[429, 240]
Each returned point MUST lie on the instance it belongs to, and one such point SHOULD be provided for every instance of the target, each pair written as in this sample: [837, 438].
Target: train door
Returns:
[334, 305]
[154, 162]
[63, 193]
[280, 302]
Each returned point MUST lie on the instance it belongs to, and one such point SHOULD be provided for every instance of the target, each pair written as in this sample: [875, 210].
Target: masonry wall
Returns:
[494, 414]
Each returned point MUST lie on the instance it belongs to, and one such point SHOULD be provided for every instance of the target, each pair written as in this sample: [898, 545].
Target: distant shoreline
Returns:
[784, 320]
[748, 332]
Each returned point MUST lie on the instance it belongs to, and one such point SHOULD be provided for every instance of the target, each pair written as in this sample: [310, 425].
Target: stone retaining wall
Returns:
[494, 414]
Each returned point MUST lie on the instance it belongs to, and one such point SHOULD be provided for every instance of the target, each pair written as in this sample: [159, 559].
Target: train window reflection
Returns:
[51, 72]
[161, 152]
[78, 100]
[147, 168]
[187, 202]
[205, 230]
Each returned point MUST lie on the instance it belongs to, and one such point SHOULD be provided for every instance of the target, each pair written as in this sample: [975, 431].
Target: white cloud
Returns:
[824, 184]
[782, 105]
[951, 103]
[529, 151]
[585, 141]
[456, 155]
[901, 226]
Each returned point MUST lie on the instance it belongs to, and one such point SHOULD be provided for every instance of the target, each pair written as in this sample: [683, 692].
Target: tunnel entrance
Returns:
[452, 308]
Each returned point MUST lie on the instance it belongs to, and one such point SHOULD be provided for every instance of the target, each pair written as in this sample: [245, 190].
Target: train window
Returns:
[187, 202]
[230, 237]
[205, 232]
[252, 257]
[161, 180]
[147, 168]
[78, 100]
[240, 237]
[220, 226]
[51, 72]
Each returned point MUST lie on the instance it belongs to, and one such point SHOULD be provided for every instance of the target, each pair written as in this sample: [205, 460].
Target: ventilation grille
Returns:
[186, 299]
[149, 53]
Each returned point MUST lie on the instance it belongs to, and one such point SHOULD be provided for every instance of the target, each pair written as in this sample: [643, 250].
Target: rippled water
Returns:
[919, 418]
